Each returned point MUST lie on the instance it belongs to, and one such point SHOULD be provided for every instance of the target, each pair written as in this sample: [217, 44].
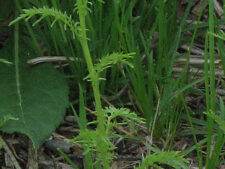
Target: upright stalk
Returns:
[212, 84]
[93, 75]
[82, 11]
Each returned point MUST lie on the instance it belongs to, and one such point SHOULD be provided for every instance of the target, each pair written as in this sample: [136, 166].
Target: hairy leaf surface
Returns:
[44, 98]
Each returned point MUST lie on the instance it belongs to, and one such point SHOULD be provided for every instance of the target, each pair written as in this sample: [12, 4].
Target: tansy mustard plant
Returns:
[78, 29]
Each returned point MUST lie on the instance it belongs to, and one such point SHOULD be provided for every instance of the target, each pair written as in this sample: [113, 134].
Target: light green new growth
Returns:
[172, 159]
[5, 62]
[78, 29]
[217, 119]
[89, 138]
[57, 16]
[112, 59]
[220, 35]
[109, 60]
[112, 113]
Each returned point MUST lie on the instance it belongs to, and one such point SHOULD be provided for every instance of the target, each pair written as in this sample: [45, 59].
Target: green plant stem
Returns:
[212, 59]
[212, 84]
[67, 158]
[94, 81]
[94, 78]
[198, 149]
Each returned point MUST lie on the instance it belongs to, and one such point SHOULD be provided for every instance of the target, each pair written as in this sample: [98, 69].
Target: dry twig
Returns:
[10, 154]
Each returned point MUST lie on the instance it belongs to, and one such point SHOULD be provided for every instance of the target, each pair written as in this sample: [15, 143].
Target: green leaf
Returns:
[123, 113]
[112, 59]
[5, 62]
[6, 118]
[44, 98]
[44, 12]
[3, 121]
[220, 35]
[171, 158]
[217, 119]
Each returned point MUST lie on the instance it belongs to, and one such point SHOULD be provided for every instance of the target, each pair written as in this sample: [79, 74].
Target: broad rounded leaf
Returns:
[40, 105]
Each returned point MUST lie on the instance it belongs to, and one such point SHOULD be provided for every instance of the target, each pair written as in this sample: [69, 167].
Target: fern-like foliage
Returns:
[56, 15]
[172, 159]
[84, 6]
[217, 119]
[220, 34]
[90, 139]
[112, 113]
[107, 61]
[112, 59]
[5, 62]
